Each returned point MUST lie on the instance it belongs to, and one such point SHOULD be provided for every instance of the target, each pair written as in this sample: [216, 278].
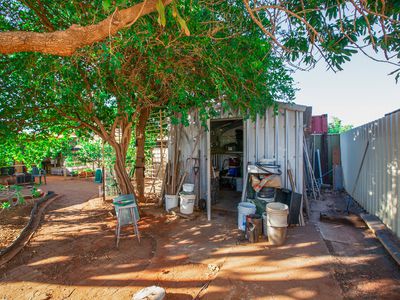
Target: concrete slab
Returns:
[384, 235]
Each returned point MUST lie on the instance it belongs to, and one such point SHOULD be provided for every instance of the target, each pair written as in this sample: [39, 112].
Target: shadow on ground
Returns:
[73, 256]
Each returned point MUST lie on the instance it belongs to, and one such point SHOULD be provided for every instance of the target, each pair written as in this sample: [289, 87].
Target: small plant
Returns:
[35, 191]
[18, 194]
[5, 205]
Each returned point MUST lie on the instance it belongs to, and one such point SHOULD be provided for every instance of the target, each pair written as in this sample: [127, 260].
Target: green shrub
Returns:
[5, 205]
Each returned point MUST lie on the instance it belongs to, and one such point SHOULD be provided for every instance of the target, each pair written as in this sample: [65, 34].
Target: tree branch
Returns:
[66, 42]
[42, 16]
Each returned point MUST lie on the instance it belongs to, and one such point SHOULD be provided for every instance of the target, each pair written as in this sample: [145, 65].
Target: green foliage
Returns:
[312, 30]
[5, 205]
[31, 149]
[229, 62]
[223, 62]
[35, 191]
[336, 126]
[17, 189]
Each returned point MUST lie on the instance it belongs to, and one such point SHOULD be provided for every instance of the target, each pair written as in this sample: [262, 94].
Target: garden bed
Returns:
[38, 206]
[13, 221]
[16, 217]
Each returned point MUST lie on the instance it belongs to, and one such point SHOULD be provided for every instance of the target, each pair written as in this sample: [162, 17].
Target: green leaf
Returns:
[181, 21]
[183, 25]
[106, 5]
[161, 13]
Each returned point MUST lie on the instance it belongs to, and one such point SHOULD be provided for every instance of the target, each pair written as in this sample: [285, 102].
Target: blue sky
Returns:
[361, 93]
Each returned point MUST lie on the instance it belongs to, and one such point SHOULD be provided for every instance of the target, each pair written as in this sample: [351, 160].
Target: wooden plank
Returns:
[163, 186]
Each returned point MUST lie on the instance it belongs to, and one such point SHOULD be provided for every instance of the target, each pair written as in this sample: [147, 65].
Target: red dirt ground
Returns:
[73, 256]
[12, 221]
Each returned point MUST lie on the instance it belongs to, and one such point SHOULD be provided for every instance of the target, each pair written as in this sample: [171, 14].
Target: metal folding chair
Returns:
[127, 214]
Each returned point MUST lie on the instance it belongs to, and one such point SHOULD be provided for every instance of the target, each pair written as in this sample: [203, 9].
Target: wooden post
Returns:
[164, 188]
[161, 146]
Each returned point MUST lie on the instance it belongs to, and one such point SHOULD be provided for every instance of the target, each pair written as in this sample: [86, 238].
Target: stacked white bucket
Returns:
[275, 221]
[171, 201]
[187, 199]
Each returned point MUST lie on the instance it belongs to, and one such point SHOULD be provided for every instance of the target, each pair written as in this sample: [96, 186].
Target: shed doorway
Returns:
[226, 149]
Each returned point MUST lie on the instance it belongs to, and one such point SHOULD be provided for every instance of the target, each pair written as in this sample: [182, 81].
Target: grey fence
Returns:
[371, 167]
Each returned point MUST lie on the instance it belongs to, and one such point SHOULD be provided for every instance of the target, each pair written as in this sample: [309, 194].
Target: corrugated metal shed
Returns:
[319, 124]
[377, 188]
[278, 136]
[329, 147]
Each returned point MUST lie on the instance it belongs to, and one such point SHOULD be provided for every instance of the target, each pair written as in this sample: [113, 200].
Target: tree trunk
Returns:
[122, 177]
[140, 159]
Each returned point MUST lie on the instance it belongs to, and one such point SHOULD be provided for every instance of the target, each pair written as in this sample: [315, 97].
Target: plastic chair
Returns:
[98, 176]
[39, 173]
[127, 213]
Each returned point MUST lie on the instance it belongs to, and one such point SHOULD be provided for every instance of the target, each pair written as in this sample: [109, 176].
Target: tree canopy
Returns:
[111, 88]
[336, 126]
[115, 62]
[305, 30]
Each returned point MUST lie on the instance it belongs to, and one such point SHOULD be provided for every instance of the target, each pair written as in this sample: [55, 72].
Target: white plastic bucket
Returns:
[188, 187]
[276, 235]
[277, 214]
[187, 203]
[244, 209]
[171, 201]
[239, 184]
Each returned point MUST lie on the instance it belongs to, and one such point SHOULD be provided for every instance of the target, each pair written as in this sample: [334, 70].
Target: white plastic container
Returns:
[187, 203]
[188, 187]
[150, 292]
[276, 235]
[277, 214]
[239, 184]
[171, 201]
[244, 209]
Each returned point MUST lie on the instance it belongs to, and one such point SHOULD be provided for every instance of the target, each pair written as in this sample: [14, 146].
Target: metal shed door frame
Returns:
[208, 160]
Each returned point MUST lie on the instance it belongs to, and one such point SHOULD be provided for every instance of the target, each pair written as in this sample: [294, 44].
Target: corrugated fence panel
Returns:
[378, 185]
[260, 137]
[281, 150]
[291, 145]
[250, 142]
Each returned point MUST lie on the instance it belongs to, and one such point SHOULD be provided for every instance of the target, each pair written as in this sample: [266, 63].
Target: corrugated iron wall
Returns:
[378, 186]
[319, 124]
[278, 136]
